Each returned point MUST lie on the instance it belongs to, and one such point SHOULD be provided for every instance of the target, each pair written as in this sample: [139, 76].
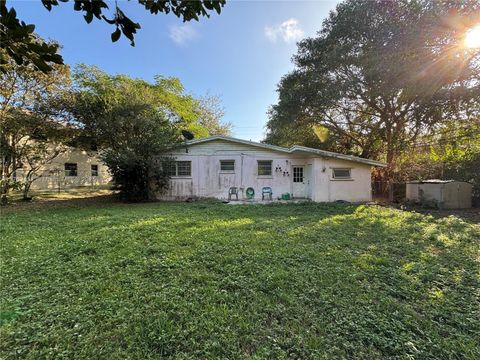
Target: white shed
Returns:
[446, 194]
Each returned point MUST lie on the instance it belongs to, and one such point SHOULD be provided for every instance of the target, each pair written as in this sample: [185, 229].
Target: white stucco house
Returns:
[209, 167]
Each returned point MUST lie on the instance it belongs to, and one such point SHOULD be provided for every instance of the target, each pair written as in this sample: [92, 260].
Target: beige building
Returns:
[71, 169]
[211, 167]
[446, 194]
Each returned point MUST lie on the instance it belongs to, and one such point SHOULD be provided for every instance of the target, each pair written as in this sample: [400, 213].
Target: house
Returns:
[70, 169]
[445, 194]
[209, 167]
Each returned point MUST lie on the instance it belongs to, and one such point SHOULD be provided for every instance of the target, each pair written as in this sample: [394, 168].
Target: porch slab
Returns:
[264, 202]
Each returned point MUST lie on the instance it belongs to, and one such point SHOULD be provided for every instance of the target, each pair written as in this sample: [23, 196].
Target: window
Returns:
[297, 174]
[341, 174]
[94, 170]
[227, 165]
[180, 168]
[264, 168]
[171, 168]
[184, 168]
[70, 169]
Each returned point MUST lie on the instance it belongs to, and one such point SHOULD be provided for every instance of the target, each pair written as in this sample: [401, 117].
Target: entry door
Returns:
[299, 186]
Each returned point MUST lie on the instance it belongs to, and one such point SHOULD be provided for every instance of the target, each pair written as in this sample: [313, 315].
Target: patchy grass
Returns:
[206, 280]
[77, 197]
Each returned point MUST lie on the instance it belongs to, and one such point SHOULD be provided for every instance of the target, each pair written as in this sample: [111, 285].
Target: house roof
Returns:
[291, 150]
[434, 181]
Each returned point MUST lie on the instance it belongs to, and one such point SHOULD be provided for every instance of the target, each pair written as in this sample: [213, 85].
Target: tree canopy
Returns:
[29, 138]
[130, 122]
[133, 123]
[20, 43]
[378, 75]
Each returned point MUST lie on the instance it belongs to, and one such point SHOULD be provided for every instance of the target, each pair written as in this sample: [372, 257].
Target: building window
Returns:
[184, 168]
[341, 174]
[264, 167]
[171, 168]
[180, 168]
[71, 169]
[227, 165]
[297, 174]
[94, 170]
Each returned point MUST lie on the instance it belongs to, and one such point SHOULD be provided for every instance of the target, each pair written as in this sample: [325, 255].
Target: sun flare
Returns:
[472, 38]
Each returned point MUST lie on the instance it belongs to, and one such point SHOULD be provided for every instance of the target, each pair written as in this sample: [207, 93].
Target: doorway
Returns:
[299, 181]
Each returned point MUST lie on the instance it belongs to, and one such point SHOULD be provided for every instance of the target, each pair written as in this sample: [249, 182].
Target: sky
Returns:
[239, 55]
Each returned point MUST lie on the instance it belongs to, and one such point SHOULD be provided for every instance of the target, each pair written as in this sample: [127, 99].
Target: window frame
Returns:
[177, 163]
[94, 172]
[227, 171]
[70, 172]
[349, 177]
[270, 162]
[174, 166]
[295, 175]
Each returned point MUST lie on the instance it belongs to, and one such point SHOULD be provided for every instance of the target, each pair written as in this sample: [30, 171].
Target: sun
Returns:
[472, 38]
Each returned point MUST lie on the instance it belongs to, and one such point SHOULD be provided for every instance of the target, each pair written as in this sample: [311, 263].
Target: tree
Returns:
[381, 73]
[38, 142]
[29, 137]
[20, 43]
[453, 152]
[133, 123]
[210, 114]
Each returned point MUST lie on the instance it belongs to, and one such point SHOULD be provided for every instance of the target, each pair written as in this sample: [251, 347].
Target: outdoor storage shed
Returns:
[446, 194]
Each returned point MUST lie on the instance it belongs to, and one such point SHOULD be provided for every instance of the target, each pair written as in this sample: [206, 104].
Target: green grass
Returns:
[208, 281]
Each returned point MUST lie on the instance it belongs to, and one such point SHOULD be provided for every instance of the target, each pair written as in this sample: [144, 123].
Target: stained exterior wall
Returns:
[448, 195]
[328, 189]
[207, 180]
[54, 173]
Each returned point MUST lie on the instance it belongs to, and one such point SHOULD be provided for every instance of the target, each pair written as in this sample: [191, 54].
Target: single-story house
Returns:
[210, 167]
[70, 169]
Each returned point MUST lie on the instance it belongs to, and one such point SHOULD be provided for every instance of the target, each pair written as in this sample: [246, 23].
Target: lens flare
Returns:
[472, 38]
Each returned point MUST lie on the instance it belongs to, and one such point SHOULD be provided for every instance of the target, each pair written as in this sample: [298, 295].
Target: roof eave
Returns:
[338, 156]
[287, 150]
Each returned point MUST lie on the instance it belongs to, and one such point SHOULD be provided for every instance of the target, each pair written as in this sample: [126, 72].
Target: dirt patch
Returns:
[469, 215]
[74, 198]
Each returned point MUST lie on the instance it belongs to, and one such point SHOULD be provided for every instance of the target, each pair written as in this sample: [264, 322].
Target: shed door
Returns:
[299, 182]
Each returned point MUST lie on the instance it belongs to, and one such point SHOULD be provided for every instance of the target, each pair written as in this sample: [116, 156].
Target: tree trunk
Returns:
[26, 189]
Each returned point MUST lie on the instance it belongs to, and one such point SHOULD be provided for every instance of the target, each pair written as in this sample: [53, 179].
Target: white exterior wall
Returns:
[54, 173]
[327, 189]
[449, 195]
[411, 191]
[208, 181]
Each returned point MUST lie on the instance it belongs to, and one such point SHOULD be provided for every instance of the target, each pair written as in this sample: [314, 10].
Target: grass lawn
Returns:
[208, 281]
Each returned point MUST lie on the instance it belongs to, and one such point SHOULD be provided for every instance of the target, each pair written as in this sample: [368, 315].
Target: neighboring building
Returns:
[209, 167]
[445, 194]
[71, 169]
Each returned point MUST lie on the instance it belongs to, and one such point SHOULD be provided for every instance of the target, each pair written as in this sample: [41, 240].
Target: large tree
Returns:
[20, 43]
[452, 152]
[379, 74]
[29, 138]
[133, 123]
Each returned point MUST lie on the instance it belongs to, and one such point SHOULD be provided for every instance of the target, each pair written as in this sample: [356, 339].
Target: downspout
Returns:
[241, 170]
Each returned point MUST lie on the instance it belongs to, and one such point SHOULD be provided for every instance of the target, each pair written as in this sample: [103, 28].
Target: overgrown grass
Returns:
[198, 281]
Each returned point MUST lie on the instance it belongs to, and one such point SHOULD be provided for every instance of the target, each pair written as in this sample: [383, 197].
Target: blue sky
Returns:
[239, 55]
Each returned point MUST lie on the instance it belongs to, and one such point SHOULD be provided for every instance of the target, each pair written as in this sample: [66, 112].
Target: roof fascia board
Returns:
[287, 150]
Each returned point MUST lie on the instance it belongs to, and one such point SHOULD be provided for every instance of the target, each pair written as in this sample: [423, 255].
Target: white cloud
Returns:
[181, 34]
[289, 31]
